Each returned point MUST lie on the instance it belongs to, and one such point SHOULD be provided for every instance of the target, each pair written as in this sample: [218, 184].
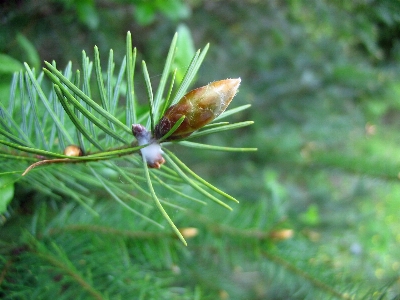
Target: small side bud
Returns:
[200, 106]
[142, 135]
[281, 234]
[152, 153]
[73, 150]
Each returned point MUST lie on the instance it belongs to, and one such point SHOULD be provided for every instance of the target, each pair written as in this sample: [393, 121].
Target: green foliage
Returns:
[146, 11]
[86, 12]
[186, 51]
[29, 50]
[6, 192]
[100, 135]
[9, 64]
[318, 212]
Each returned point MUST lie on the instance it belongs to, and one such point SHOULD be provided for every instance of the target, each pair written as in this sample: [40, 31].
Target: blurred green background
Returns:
[323, 80]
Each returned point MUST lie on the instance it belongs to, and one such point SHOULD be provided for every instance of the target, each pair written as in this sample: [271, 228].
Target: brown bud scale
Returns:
[200, 106]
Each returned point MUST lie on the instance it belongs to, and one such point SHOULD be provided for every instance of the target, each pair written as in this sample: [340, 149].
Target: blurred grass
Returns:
[322, 78]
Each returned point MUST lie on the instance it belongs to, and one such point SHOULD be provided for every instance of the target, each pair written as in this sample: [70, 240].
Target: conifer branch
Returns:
[68, 114]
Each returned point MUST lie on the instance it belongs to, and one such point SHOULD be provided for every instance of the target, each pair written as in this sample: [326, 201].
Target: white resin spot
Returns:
[151, 153]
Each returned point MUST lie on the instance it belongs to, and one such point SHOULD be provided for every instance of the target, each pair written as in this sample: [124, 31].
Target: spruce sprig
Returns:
[38, 125]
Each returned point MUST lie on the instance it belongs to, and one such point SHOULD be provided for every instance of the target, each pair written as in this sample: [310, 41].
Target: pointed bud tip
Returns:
[229, 85]
[235, 82]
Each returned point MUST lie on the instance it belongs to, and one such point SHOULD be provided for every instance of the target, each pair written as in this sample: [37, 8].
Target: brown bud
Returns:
[189, 232]
[199, 106]
[281, 234]
[73, 150]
